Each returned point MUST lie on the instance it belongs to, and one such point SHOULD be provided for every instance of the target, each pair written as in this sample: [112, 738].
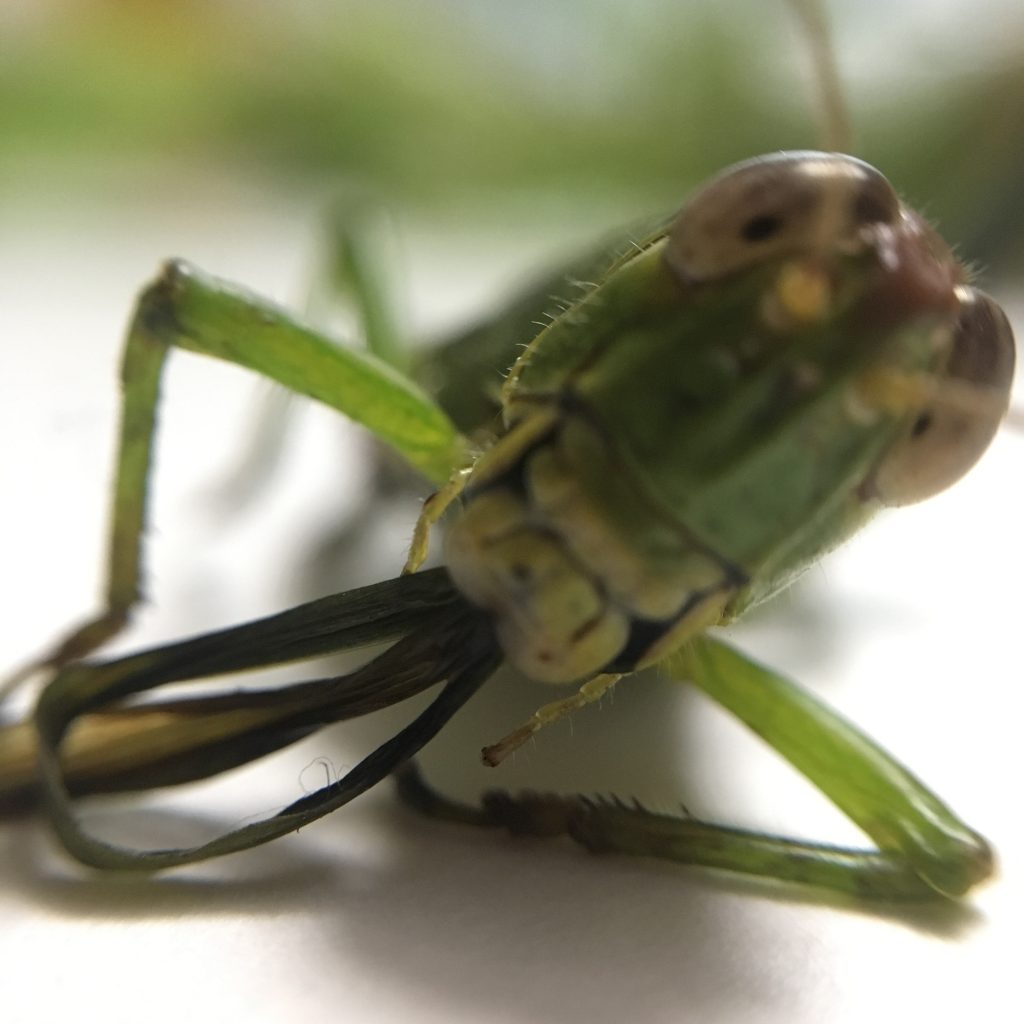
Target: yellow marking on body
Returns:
[706, 613]
[897, 392]
[801, 295]
[901, 392]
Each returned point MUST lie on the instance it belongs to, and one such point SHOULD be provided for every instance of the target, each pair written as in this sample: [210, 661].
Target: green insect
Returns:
[734, 395]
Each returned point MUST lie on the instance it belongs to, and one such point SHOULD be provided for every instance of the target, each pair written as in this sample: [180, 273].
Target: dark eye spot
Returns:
[921, 424]
[762, 227]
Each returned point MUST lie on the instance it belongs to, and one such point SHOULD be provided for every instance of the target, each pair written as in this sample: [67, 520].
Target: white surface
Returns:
[375, 915]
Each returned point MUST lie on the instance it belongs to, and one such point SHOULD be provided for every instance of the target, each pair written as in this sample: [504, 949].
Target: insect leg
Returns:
[113, 748]
[592, 690]
[923, 849]
[439, 638]
[430, 514]
[186, 309]
[353, 275]
[610, 826]
[906, 821]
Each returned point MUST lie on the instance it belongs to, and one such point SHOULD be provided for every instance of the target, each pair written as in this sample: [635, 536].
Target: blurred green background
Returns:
[460, 108]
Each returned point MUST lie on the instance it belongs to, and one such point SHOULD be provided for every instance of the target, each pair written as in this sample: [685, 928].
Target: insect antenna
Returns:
[836, 133]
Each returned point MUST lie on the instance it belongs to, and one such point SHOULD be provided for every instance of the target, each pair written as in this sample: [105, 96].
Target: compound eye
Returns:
[971, 398]
[778, 205]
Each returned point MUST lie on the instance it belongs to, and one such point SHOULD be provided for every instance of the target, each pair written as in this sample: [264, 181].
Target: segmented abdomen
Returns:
[572, 591]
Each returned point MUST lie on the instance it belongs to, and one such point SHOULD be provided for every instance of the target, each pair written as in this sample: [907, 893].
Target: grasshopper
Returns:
[737, 392]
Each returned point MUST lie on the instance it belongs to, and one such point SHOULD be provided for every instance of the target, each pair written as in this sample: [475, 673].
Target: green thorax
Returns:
[748, 438]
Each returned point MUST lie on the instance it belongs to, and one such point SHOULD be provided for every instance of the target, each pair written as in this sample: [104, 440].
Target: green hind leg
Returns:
[922, 848]
[187, 309]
